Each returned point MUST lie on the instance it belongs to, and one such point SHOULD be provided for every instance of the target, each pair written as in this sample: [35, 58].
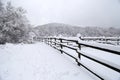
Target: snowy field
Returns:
[37, 62]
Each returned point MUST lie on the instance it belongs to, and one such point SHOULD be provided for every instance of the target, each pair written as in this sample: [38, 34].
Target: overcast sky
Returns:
[104, 13]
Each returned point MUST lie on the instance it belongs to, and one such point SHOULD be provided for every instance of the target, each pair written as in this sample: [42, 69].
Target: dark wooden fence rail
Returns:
[74, 44]
[106, 40]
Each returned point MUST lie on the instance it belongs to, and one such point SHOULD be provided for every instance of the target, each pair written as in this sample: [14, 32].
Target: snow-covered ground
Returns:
[37, 62]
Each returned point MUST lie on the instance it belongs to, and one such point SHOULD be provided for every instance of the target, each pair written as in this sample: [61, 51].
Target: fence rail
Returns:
[106, 40]
[74, 44]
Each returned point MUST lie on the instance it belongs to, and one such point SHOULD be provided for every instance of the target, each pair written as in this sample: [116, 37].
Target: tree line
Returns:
[56, 29]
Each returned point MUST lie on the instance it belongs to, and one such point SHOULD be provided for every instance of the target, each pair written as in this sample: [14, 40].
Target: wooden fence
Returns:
[105, 40]
[60, 43]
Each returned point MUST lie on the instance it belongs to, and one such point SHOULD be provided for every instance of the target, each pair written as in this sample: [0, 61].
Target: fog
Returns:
[102, 13]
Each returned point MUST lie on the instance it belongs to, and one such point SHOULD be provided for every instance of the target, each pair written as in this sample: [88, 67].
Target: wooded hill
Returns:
[56, 29]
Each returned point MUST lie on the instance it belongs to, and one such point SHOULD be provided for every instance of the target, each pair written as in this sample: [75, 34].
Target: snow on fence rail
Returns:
[59, 43]
[106, 40]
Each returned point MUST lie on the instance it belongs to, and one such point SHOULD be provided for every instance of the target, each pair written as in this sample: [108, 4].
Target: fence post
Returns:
[51, 41]
[118, 41]
[79, 56]
[55, 41]
[61, 46]
[79, 46]
[47, 41]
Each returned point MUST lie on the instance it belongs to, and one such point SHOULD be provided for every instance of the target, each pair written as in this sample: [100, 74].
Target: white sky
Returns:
[104, 13]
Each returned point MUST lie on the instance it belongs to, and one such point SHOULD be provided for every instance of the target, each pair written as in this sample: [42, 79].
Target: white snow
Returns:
[37, 62]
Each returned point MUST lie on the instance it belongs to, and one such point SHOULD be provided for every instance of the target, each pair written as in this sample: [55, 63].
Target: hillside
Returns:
[56, 29]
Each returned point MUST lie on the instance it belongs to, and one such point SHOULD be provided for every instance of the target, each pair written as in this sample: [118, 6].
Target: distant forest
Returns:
[57, 29]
